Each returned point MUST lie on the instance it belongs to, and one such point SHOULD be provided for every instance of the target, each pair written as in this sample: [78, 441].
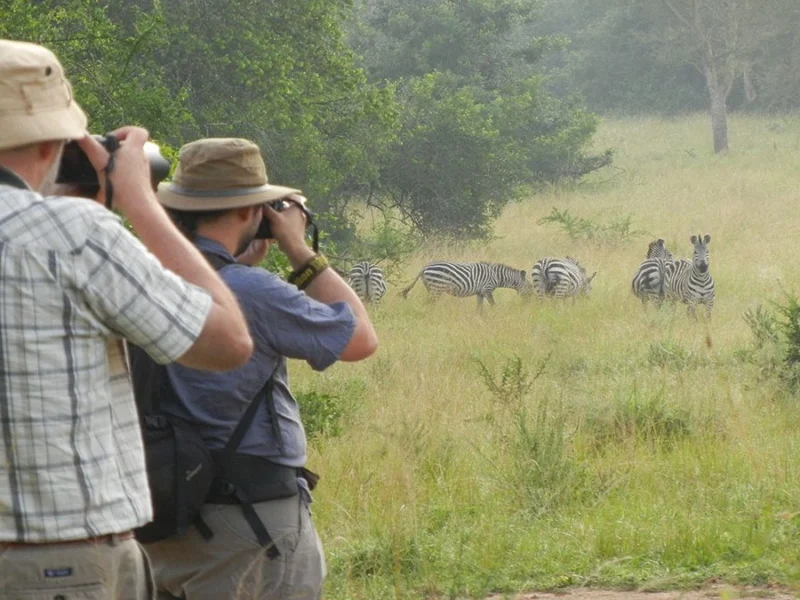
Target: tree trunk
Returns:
[719, 110]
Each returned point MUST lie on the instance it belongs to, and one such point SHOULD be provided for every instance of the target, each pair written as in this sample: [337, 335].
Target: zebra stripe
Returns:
[470, 279]
[561, 278]
[690, 282]
[367, 281]
[658, 249]
[649, 280]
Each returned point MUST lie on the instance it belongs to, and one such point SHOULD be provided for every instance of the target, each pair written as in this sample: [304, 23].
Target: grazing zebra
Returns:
[648, 281]
[560, 278]
[367, 281]
[689, 281]
[470, 279]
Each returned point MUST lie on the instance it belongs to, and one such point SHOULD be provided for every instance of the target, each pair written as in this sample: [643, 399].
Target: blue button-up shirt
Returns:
[284, 323]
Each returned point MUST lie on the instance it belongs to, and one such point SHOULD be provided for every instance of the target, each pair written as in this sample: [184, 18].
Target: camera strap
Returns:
[112, 144]
[310, 223]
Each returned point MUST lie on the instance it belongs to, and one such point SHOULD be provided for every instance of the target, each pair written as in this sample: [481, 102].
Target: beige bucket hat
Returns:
[219, 173]
[36, 102]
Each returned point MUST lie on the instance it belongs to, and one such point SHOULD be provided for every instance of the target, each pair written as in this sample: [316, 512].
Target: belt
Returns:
[111, 538]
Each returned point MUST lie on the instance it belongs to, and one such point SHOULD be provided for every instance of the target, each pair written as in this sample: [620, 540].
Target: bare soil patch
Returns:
[715, 592]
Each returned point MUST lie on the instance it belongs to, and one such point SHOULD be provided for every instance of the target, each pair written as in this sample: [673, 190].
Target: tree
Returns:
[611, 59]
[475, 122]
[115, 79]
[721, 36]
[278, 73]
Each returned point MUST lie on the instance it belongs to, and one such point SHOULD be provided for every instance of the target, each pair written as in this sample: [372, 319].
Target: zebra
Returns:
[367, 281]
[689, 281]
[560, 278]
[658, 249]
[470, 279]
[648, 281]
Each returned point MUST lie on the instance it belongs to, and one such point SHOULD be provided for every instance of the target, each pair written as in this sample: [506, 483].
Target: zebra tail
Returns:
[404, 293]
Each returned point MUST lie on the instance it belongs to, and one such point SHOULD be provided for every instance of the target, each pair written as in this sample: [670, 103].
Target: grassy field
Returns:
[612, 447]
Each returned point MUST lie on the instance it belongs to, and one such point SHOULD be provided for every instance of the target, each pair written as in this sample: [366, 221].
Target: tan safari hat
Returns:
[219, 173]
[36, 102]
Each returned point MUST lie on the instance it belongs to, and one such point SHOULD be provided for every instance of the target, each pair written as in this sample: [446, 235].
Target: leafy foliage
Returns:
[615, 230]
[777, 338]
[387, 244]
[445, 123]
[627, 57]
[322, 414]
[475, 124]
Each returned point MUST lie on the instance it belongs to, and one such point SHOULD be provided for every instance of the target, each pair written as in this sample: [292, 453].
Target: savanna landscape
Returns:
[538, 448]
[547, 445]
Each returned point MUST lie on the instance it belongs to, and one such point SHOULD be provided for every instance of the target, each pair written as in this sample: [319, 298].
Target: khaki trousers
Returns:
[113, 570]
[233, 565]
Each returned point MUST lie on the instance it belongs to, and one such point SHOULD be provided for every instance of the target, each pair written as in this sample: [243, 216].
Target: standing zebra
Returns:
[649, 279]
[470, 279]
[560, 278]
[367, 281]
[690, 282]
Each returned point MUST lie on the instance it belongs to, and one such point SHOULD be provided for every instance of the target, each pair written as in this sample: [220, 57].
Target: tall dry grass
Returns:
[647, 453]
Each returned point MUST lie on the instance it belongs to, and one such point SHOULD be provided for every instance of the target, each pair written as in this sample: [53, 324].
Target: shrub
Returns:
[619, 229]
[322, 413]
[544, 472]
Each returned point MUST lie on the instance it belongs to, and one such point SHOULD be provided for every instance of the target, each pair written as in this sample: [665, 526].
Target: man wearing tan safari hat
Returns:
[73, 282]
[257, 540]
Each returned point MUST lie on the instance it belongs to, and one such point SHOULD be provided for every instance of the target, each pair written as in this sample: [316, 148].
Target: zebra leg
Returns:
[480, 302]
[490, 298]
[691, 309]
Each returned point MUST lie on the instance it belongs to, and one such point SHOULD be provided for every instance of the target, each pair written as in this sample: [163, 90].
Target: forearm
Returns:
[328, 287]
[157, 232]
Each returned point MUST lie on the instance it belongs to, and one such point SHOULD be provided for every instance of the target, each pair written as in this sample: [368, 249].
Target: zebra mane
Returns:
[576, 263]
[653, 245]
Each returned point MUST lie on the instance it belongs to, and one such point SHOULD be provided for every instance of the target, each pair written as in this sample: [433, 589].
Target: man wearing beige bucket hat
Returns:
[73, 283]
[259, 540]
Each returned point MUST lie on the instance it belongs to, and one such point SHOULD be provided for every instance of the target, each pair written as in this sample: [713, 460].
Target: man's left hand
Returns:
[254, 254]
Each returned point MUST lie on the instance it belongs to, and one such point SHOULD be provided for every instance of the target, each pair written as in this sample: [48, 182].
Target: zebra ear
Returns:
[707, 239]
[693, 239]
[660, 242]
[523, 273]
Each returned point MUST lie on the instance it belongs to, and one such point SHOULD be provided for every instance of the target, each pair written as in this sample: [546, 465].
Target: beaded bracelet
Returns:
[303, 276]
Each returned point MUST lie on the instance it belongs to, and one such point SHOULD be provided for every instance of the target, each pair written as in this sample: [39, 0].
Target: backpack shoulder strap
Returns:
[217, 261]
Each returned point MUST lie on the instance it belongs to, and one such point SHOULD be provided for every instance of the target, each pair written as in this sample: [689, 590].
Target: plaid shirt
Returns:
[73, 282]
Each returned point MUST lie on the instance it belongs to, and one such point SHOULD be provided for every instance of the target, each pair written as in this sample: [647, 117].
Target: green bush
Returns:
[619, 229]
[776, 339]
[322, 413]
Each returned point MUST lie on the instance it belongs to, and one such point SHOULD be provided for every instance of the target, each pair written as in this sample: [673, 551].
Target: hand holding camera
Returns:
[285, 221]
[134, 170]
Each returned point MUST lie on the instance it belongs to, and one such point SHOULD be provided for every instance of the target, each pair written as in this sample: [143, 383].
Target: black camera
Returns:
[75, 168]
[264, 231]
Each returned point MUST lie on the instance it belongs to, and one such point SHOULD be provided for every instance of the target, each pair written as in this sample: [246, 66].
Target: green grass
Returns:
[646, 453]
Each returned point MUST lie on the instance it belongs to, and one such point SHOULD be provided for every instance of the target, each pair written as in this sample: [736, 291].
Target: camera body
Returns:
[75, 168]
[264, 231]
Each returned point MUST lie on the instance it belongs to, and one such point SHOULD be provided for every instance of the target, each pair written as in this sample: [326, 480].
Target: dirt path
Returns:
[715, 592]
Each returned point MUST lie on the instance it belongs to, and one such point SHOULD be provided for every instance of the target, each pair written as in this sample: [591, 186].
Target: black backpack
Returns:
[184, 475]
[180, 469]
